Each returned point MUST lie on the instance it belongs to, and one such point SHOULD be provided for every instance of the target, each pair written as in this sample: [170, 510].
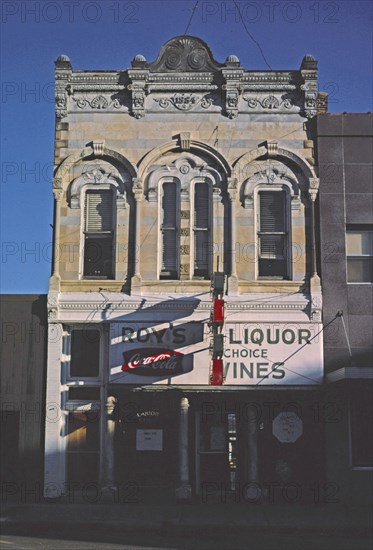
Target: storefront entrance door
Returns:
[216, 453]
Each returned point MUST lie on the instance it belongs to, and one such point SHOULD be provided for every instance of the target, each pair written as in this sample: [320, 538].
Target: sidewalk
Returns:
[180, 517]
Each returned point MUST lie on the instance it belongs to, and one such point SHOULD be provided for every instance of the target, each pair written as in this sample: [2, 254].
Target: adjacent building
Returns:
[23, 321]
[345, 163]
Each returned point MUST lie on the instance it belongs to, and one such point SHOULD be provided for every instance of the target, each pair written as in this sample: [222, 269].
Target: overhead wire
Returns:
[191, 18]
[252, 37]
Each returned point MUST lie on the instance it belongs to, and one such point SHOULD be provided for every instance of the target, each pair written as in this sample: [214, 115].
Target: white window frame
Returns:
[288, 233]
[66, 357]
[162, 181]
[90, 188]
[209, 182]
[350, 229]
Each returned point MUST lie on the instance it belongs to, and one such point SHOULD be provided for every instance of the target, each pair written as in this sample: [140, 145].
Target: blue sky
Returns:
[107, 35]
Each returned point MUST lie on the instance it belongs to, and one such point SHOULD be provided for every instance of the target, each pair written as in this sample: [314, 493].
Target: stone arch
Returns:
[271, 151]
[183, 170]
[270, 176]
[96, 151]
[216, 160]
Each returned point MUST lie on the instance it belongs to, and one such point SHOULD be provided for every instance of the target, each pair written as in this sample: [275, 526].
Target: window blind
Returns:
[99, 211]
[272, 234]
[169, 230]
[272, 211]
[202, 250]
[201, 206]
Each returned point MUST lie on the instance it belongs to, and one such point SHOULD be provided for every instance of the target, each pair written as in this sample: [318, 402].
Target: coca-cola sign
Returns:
[152, 362]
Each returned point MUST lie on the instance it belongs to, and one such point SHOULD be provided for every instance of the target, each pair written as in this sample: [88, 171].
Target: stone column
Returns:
[138, 194]
[232, 193]
[184, 490]
[252, 490]
[315, 284]
[55, 418]
[57, 192]
[313, 194]
[108, 451]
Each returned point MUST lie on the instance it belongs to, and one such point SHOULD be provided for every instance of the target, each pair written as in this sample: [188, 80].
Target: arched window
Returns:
[273, 234]
[202, 231]
[170, 231]
[99, 241]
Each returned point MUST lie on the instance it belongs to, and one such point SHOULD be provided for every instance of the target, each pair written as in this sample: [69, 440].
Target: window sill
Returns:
[271, 285]
[96, 278]
[359, 282]
[91, 285]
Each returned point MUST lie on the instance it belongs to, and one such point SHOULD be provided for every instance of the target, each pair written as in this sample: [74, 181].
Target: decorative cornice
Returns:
[269, 76]
[98, 87]
[268, 87]
[185, 65]
[184, 305]
[181, 87]
[86, 77]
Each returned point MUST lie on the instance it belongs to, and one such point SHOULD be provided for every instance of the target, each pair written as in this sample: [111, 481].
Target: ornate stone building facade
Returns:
[164, 174]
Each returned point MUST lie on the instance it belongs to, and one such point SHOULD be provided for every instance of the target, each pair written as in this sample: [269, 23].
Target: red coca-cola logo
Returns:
[152, 362]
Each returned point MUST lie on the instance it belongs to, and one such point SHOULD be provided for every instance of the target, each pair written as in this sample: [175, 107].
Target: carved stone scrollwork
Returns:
[231, 103]
[274, 175]
[94, 174]
[98, 148]
[184, 54]
[138, 87]
[63, 75]
[316, 315]
[57, 183]
[53, 313]
[52, 306]
[184, 139]
[99, 102]
[138, 100]
[232, 188]
[232, 89]
[57, 188]
[183, 101]
[206, 102]
[272, 148]
[269, 103]
[322, 103]
[138, 189]
[61, 105]
[183, 171]
[310, 91]
[313, 188]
